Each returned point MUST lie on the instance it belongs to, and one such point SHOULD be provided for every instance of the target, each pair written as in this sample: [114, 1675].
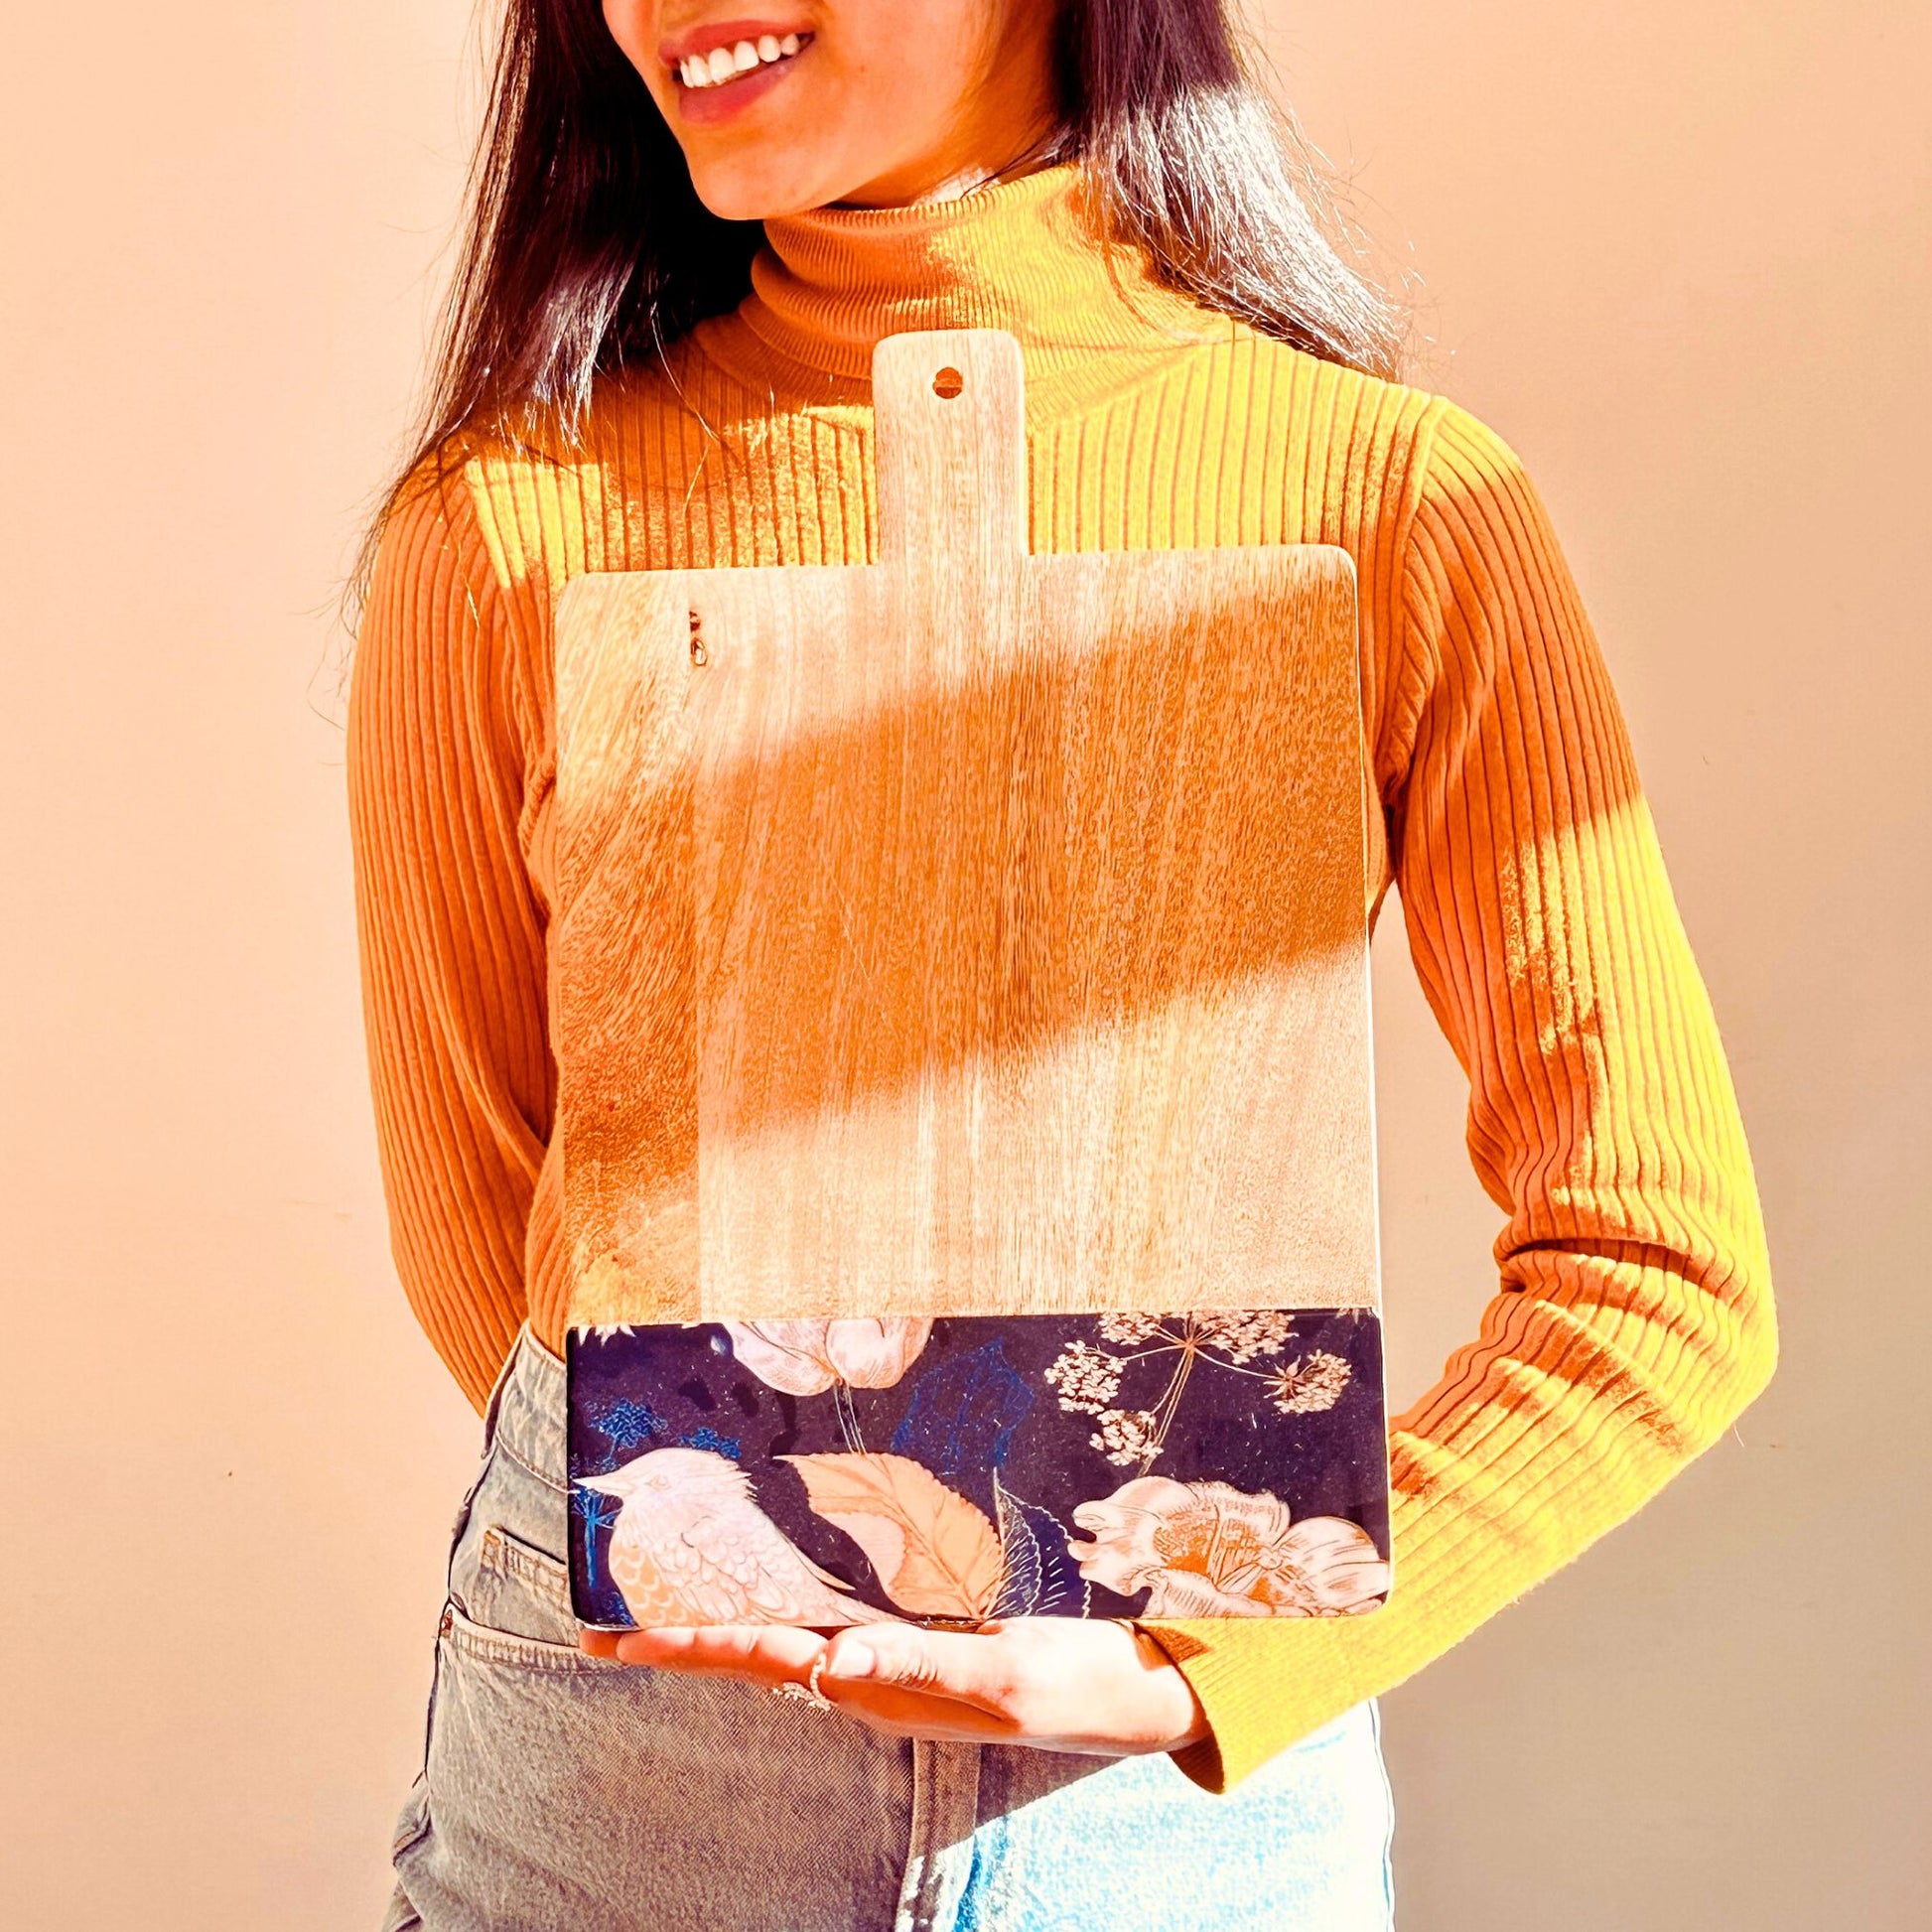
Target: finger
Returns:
[762, 1653]
[914, 1714]
[962, 1665]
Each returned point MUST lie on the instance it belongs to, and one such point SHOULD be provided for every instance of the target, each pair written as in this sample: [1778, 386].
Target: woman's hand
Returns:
[1058, 1683]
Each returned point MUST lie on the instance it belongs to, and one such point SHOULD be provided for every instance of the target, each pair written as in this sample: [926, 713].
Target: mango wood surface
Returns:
[971, 932]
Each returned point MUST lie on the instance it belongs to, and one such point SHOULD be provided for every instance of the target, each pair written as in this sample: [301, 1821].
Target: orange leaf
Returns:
[936, 1554]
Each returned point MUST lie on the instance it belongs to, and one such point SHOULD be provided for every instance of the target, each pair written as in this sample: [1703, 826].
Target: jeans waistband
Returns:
[526, 1417]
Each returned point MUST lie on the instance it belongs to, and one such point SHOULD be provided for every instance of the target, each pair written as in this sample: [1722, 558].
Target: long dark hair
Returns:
[587, 248]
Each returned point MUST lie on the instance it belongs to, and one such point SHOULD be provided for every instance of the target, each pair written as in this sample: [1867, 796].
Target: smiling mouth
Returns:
[727, 66]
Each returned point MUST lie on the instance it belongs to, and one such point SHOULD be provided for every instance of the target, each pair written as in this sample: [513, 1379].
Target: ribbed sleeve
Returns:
[1633, 1319]
[449, 931]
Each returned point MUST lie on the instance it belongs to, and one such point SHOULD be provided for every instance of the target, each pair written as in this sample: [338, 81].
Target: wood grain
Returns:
[970, 931]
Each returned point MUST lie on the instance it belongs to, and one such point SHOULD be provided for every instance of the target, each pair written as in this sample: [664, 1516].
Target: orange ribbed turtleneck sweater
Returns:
[1633, 1319]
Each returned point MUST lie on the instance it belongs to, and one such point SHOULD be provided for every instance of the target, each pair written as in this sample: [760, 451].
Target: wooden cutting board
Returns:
[972, 931]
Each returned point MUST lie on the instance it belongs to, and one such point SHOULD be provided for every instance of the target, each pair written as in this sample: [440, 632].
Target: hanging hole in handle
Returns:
[948, 383]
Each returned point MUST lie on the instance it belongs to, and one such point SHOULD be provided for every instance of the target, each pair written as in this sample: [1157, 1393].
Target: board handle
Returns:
[950, 426]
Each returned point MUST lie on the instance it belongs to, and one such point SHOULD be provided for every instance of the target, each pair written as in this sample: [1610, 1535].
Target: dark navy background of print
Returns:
[976, 1397]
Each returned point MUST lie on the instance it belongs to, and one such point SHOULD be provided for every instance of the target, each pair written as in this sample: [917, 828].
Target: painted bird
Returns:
[691, 1546]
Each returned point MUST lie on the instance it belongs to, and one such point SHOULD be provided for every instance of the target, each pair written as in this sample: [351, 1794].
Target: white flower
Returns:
[1239, 1333]
[1306, 1387]
[804, 1357]
[1127, 1436]
[1087, 1378]
[1207, 1548]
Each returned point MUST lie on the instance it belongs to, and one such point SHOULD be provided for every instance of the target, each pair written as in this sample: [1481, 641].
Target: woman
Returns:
[689, 230]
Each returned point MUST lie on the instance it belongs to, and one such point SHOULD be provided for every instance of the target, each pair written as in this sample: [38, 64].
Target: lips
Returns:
[725, 100]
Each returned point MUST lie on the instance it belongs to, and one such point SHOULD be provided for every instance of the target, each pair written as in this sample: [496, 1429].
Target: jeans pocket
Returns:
[485, 1643]
[515, 1589]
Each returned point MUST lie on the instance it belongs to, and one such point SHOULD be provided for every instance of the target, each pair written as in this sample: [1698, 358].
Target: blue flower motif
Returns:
[630, 1423]
[709, 1439]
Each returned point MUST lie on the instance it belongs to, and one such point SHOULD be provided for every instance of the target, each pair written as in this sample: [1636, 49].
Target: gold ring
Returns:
[807, 1691]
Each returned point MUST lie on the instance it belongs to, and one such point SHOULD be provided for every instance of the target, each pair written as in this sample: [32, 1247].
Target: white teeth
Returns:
[727, 62]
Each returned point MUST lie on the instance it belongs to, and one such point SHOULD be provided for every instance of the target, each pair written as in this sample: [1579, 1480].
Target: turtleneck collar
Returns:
[1026, 254]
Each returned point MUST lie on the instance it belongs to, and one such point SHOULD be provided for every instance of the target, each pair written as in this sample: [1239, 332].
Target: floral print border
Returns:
[1216, 1463]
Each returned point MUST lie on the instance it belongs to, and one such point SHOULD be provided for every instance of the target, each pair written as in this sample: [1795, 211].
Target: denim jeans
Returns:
[564, 1793]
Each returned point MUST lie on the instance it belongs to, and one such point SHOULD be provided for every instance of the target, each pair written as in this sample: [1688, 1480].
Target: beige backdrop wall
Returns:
[1677, 255]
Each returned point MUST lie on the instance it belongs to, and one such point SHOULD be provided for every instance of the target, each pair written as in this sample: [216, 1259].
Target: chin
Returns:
[747, 188]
